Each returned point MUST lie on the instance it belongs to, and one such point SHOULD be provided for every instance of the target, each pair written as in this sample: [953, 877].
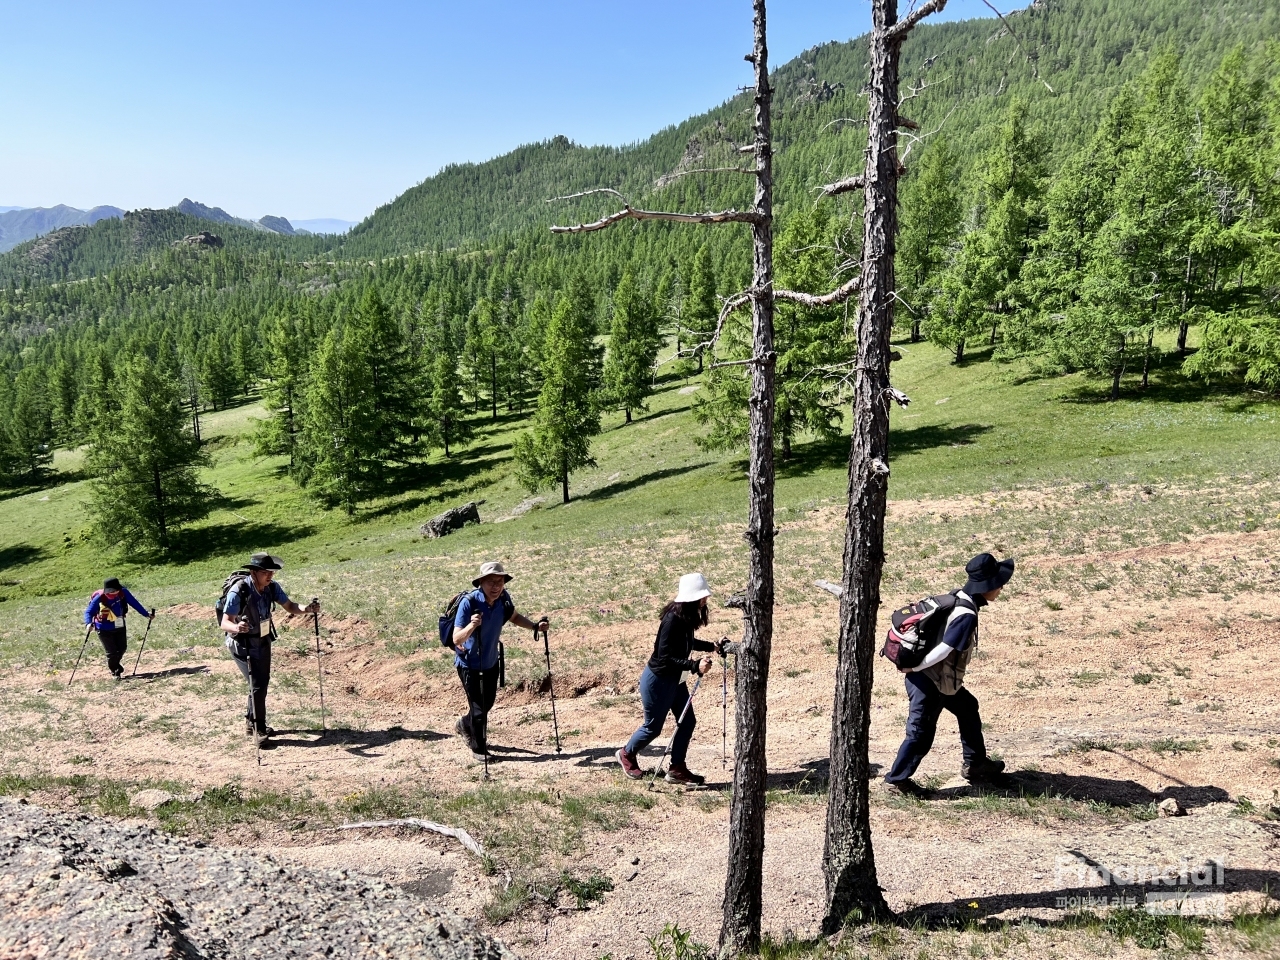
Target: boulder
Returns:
[452, 519]
[150, 800]
[1169, 807]
[202, 239]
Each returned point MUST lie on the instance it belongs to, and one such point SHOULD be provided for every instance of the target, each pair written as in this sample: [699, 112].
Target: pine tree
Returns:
[568, 413]
[335, 466]
[29, 434]
[143, 462]
[930, 225]
[447, 412]
[392, 406]
[282, 392]
[699, 308]
[633, 347]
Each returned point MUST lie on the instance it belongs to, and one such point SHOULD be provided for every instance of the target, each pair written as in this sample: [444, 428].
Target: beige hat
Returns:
[489, 569]
[693, 586]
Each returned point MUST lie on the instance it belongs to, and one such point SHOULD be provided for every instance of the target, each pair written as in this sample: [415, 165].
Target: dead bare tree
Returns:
[853, 891]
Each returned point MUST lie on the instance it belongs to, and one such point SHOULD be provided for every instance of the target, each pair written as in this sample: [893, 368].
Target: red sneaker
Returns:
[629, 765]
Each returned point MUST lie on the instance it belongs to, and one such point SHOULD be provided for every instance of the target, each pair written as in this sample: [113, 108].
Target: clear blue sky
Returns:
[326, 109]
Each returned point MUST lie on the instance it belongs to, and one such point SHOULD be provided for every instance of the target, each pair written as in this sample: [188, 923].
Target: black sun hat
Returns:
[265, 561]
[986, 573]
[112, 583]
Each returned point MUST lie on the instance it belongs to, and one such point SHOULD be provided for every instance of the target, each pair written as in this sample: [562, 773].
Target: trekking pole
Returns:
[319, 671]
[144, 643]
[82, 646]
[724, 709]
[679, 720]
[546, 649]
[253, 712]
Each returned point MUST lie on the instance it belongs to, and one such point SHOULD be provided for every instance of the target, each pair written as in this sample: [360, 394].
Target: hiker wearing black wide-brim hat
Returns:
[937, 684]
[662, 689]
[106, 614]
[477, 629]
[246, 618]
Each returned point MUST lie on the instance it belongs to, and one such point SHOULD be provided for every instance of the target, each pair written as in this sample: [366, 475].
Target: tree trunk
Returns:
[493, 384]
[1182, 338]
[1118, 371]
[994, 324]
[1146, 357]
[852, 888]
[744, 878]
[915, 331]
[564, 483]
[628, 414]
[159, 495]
[960, 351]
[786, 434]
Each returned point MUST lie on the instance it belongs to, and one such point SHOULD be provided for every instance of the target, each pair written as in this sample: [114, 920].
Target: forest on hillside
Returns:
[1064, 209]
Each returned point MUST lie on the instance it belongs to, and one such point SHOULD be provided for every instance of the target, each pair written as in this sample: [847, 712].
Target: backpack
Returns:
[916, 628]
[451, 614]
[232, 582]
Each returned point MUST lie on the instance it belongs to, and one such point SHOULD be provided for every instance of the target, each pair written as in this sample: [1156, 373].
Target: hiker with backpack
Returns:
[931, 643]
[106, 614]
[244, 613]
[474, 633]
[662, 686]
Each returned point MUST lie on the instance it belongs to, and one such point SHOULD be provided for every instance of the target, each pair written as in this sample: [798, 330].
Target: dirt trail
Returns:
[1083, 702]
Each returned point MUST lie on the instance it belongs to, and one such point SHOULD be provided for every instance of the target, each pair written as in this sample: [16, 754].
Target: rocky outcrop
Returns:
[452, 519]
[202, 239]
[277, 225]
[74, 885]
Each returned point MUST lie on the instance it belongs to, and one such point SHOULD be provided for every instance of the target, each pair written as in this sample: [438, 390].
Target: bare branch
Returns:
[830, 587]
[587, 193]
[764, 359]
[667, 178]
[908, 124]
[838, 295]
[630, 213]
[847, 185]
[898, 32]
[457, 833]
[1034, 71]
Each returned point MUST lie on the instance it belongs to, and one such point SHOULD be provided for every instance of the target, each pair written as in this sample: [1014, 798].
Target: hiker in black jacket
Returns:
[662, 690]
[937, 684]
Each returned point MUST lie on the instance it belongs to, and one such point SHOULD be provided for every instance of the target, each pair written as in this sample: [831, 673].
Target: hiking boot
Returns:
[629, 765]
[906, 788]
[250, 730]
[480, 755]
[262, 738]
[682, 776]
[460, 728]
[982, 771]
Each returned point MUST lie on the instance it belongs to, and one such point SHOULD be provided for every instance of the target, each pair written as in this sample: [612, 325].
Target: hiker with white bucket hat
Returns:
[662, 687]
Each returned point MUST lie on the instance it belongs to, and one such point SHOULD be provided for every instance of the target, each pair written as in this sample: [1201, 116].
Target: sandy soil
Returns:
[1053, 682]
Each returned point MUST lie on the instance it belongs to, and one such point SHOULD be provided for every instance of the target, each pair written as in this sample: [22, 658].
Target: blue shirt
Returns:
[118, 607]
[274, 593]
[480, 652]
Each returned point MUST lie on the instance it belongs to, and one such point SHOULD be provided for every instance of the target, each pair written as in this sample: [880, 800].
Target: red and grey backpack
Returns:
[917, 628]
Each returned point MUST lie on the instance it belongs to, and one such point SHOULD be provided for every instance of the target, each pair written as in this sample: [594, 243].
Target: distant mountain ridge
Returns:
[216, 214]
[19, 224]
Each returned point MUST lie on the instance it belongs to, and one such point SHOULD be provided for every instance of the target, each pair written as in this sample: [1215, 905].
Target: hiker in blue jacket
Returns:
[246, 618]
[937, 684]
[106, 612]
[477, 627]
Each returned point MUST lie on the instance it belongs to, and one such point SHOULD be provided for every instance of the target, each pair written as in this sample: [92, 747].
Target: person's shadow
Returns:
[359, 743]
[171, 672]
[1113, 793]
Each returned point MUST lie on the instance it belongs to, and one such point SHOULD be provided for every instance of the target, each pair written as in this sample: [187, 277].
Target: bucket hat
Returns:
[986, 573]
[693, 587]
[265, 561]
[112, 583]
[489, 569]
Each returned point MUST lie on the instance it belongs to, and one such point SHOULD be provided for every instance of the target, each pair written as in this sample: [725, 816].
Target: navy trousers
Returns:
[926, 705]
[256, 670]
[661, 697]
[115, 643]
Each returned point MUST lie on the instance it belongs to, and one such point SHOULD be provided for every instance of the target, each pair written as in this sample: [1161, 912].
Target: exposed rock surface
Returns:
[73, 885]
[455, 518]
[202, 239]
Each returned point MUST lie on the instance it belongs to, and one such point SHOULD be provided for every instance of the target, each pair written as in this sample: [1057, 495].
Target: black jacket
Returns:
[674, 644]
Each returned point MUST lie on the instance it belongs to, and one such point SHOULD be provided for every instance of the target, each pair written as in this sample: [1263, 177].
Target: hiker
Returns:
[246, 618]
[106, 612]
[662, 687]
[477, 628]
[937, 684]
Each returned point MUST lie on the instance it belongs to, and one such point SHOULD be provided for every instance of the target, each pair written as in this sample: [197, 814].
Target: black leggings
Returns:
[482, 690]
[256, 670]
[115, 642]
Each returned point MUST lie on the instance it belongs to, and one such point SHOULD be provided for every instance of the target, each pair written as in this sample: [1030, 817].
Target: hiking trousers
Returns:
[256, 670]
[661, 697]
[481, 687]
[115, 643]
[926, 705]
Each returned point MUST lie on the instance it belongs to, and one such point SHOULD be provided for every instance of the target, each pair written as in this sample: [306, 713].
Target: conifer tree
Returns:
[699, 309]
[392, 407]
[447, 411]
[568, 413]
[930, 225]
[282, 392]
[29, 433]
[633, 347]
[143, 462]
[335, 466]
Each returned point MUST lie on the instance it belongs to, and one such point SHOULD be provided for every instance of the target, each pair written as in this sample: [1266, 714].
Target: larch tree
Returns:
[450, 426]
[932, 218]
[282, 391]
[633, 348]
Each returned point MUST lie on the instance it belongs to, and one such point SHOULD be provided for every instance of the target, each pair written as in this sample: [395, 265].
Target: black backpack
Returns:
[916, 629]
[451, 613]
[232, 582]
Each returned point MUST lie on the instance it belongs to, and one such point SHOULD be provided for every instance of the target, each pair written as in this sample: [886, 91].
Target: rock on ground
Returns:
[455, 518]
[74, 885]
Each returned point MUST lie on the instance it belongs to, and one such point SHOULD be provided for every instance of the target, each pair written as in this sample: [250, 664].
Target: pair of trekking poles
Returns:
[724, 716]
[138, 660]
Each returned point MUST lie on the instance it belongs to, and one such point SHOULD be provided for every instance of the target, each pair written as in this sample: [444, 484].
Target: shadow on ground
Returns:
[1087, 789]
[356, 742]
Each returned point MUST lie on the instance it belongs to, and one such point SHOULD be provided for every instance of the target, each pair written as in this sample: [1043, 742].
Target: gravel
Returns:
[74, 885]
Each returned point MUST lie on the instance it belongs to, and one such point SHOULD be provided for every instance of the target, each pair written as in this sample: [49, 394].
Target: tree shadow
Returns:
[929, 436]
[20, 554]
[445, 480]
[356, 742]
[171, 672]
[241, 537]
[622, 486]
[816, 455]
[1089, 789]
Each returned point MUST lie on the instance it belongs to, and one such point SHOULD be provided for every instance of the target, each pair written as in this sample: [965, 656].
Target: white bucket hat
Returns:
[489, 569]
[693, 587]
